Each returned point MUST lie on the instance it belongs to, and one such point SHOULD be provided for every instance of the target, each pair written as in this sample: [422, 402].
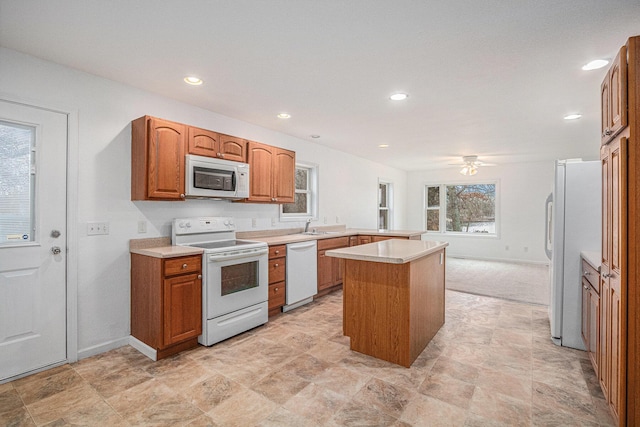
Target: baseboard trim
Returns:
[143, 348]
[101, 348]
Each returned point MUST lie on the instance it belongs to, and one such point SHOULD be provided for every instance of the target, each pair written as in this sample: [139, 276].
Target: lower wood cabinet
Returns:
[591, 313]
[330, 270]
[277, 278]
[166, 302]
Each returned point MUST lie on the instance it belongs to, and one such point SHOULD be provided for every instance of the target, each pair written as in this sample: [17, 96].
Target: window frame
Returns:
[312, 194]
[443, 209]
[389, 207]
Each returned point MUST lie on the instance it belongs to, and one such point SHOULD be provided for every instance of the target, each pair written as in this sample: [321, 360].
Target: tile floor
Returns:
[491, 364]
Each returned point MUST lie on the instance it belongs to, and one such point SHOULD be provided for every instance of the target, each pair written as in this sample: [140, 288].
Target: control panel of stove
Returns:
[203, 224]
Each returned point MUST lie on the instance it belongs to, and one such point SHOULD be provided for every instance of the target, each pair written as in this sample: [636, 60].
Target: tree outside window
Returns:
[464, 208]
[306, 194]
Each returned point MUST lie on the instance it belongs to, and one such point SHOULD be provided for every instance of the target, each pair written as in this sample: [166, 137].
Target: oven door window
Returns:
[239, 277]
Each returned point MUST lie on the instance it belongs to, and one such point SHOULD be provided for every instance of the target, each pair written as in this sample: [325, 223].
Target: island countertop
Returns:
[392, 251]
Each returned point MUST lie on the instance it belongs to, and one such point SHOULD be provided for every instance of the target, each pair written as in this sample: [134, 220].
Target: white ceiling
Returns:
[491, 78]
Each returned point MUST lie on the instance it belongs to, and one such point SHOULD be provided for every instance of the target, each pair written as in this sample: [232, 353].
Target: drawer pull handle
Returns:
[585, 287]
[199, 276]
[184, 266]
[276, 265]
[586, 273]
[276, 290]
[277, 252]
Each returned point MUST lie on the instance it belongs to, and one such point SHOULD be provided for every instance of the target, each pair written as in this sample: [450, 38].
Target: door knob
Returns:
[56, 250]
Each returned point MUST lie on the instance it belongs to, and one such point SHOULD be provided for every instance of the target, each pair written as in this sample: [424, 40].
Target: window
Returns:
[385, 196]
[463, 208]
[17, 183]
[305, 204]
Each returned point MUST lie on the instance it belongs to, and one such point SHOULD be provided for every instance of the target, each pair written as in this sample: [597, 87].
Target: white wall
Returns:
[523, 189]
[348, 184]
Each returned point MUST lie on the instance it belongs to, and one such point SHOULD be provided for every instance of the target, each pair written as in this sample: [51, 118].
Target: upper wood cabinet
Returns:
[613, 98]
[207, 143]
[272, 173]
[157, 159]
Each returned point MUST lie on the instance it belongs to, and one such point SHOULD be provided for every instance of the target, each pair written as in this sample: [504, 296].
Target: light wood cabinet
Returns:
[330, 270]
[166, 302]
[591, 312]
[277, 278]
[157, 159]
[613, 98]
[207, 143]
[272, 173]
[613, 270]
[619, 370]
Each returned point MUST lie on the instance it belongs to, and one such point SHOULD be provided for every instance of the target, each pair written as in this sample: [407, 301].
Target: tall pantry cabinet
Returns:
[619, 367]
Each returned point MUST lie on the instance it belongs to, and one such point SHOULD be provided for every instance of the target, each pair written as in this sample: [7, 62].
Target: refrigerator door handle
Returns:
[547, 226]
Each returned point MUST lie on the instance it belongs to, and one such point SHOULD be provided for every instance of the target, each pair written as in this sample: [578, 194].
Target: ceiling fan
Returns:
[470, 165]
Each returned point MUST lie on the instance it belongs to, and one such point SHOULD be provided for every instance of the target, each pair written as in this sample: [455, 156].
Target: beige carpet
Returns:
[508, 280]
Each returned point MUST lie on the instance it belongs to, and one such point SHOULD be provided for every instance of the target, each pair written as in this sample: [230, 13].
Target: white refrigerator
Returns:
[573, 225]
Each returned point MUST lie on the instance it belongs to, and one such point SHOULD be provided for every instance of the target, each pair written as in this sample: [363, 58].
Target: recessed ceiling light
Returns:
[315, 136]
[398, 96]
[383, 146]
[284, 115]
[194, 81]
[595, 64]
[572, 116]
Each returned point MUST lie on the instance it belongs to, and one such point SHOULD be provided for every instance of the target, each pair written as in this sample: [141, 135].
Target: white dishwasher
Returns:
[302, 274]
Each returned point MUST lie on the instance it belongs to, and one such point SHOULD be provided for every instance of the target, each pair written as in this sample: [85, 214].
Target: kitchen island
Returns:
[393, 298]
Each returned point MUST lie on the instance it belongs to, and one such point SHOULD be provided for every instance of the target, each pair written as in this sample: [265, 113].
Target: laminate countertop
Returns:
[283, 239]
[394, 251]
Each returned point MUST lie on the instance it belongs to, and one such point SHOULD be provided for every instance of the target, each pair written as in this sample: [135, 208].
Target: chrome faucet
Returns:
[306, 226]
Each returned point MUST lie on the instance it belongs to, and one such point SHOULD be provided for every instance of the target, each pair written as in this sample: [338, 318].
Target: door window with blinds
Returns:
[17, 183]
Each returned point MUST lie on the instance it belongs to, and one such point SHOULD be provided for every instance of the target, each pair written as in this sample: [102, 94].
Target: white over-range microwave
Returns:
[216, 178]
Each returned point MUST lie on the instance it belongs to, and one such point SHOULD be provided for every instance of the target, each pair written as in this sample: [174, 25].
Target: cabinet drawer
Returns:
[591, 275]
[182, 265]
[276, 295]
[337, 242]
[277, 269]
[277, 251]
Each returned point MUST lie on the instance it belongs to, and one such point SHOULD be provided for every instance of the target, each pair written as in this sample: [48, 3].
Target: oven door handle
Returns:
[238, 255]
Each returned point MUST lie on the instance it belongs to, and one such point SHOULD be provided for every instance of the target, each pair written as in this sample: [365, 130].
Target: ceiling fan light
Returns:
[468, 170]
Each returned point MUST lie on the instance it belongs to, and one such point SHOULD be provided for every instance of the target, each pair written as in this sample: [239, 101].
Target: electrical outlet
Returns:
[142, 226]
[97, 228]
[273, 222]
[253, 222]
[506, 248]
[325, 219]
[337, 219]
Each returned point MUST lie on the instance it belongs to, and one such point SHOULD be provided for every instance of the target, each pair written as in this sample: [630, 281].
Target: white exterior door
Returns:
[33, 156]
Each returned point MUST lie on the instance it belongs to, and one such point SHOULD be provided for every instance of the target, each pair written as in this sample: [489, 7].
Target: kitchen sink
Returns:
[319, 233]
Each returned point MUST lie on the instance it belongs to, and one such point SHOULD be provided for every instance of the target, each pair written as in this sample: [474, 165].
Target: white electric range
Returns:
[235, 281]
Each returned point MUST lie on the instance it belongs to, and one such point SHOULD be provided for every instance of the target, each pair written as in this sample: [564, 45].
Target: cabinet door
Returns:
[260, 157]
[203, 142]
[325, 271]
[585, 313]
[617, 269]
[338, 267]
[605, 359]
[605, 133]
[618, 93]
[284, 176]
[353, 241]
[362, 240]
[594, 329]
[182, 314]
[232, 148]
[165, 173]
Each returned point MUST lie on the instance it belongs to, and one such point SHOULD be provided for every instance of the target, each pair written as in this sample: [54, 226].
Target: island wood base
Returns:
[392, 311]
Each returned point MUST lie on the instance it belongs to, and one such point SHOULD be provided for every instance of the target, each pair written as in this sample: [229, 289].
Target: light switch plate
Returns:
[97, 228]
